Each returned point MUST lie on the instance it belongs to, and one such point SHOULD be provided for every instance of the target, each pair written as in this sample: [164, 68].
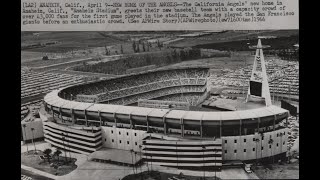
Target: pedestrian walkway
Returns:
[36, 171]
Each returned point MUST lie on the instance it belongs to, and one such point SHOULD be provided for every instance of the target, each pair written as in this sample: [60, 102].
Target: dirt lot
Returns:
[285, 171]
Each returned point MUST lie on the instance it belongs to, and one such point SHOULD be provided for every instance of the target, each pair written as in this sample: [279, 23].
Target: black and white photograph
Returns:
[201, 103]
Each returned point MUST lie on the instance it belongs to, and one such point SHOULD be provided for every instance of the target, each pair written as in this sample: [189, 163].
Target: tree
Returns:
[45, 57]
[143, 47]
[159, 45]
[57, 153]
[134, 46]
[106, 49]
[121, 49]
[47, 153]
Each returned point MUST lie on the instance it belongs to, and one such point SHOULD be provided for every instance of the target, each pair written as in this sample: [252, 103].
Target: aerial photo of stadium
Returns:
[160, 105]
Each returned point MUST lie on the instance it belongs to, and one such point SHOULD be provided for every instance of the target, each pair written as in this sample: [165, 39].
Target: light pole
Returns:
[146, 157]
[69, 149]
[204, 171]
[215, 171]
[281, 142]
[65, 151]
[151, 162]
[35, 149]
[177, 154]
[135, 159]
[25, 136]
[257, 141]
[140, 158]
[132, 161]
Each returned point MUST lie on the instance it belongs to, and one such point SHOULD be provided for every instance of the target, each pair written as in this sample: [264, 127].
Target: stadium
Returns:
[169, 129]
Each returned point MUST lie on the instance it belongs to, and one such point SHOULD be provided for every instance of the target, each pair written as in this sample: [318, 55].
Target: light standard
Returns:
[215, 171]
[35, 149]
[140, 158]
[25, 136]
[177, 154]
[257, 141]
[69, 149]
[132, 161]
[146, 159]
[281, 142]
[135, 161]
[204, 171]
[65, 151]
[151, 163]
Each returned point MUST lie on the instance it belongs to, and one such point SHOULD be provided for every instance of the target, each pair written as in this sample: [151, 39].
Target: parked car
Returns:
[247, 168]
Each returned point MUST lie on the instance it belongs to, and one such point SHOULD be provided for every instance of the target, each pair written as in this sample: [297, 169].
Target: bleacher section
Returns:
[281, 76]
[128, 90]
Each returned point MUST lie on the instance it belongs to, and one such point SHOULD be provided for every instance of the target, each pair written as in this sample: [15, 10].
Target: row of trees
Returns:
[48, 152]
[145, 46]
[108, 51]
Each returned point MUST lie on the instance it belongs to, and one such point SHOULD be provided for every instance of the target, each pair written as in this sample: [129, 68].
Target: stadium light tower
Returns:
[259, 78]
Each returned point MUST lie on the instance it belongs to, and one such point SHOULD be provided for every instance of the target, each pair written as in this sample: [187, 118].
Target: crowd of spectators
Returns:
[283, 77]
[197, 91]
[142, 83]
[192, 98]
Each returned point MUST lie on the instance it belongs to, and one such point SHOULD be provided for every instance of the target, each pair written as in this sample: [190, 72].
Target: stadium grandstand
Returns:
[185, 139]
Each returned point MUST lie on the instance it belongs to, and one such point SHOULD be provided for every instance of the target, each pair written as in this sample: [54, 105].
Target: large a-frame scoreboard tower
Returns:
[258, 85]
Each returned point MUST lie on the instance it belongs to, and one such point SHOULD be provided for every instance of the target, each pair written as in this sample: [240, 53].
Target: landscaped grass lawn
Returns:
[33, 160]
